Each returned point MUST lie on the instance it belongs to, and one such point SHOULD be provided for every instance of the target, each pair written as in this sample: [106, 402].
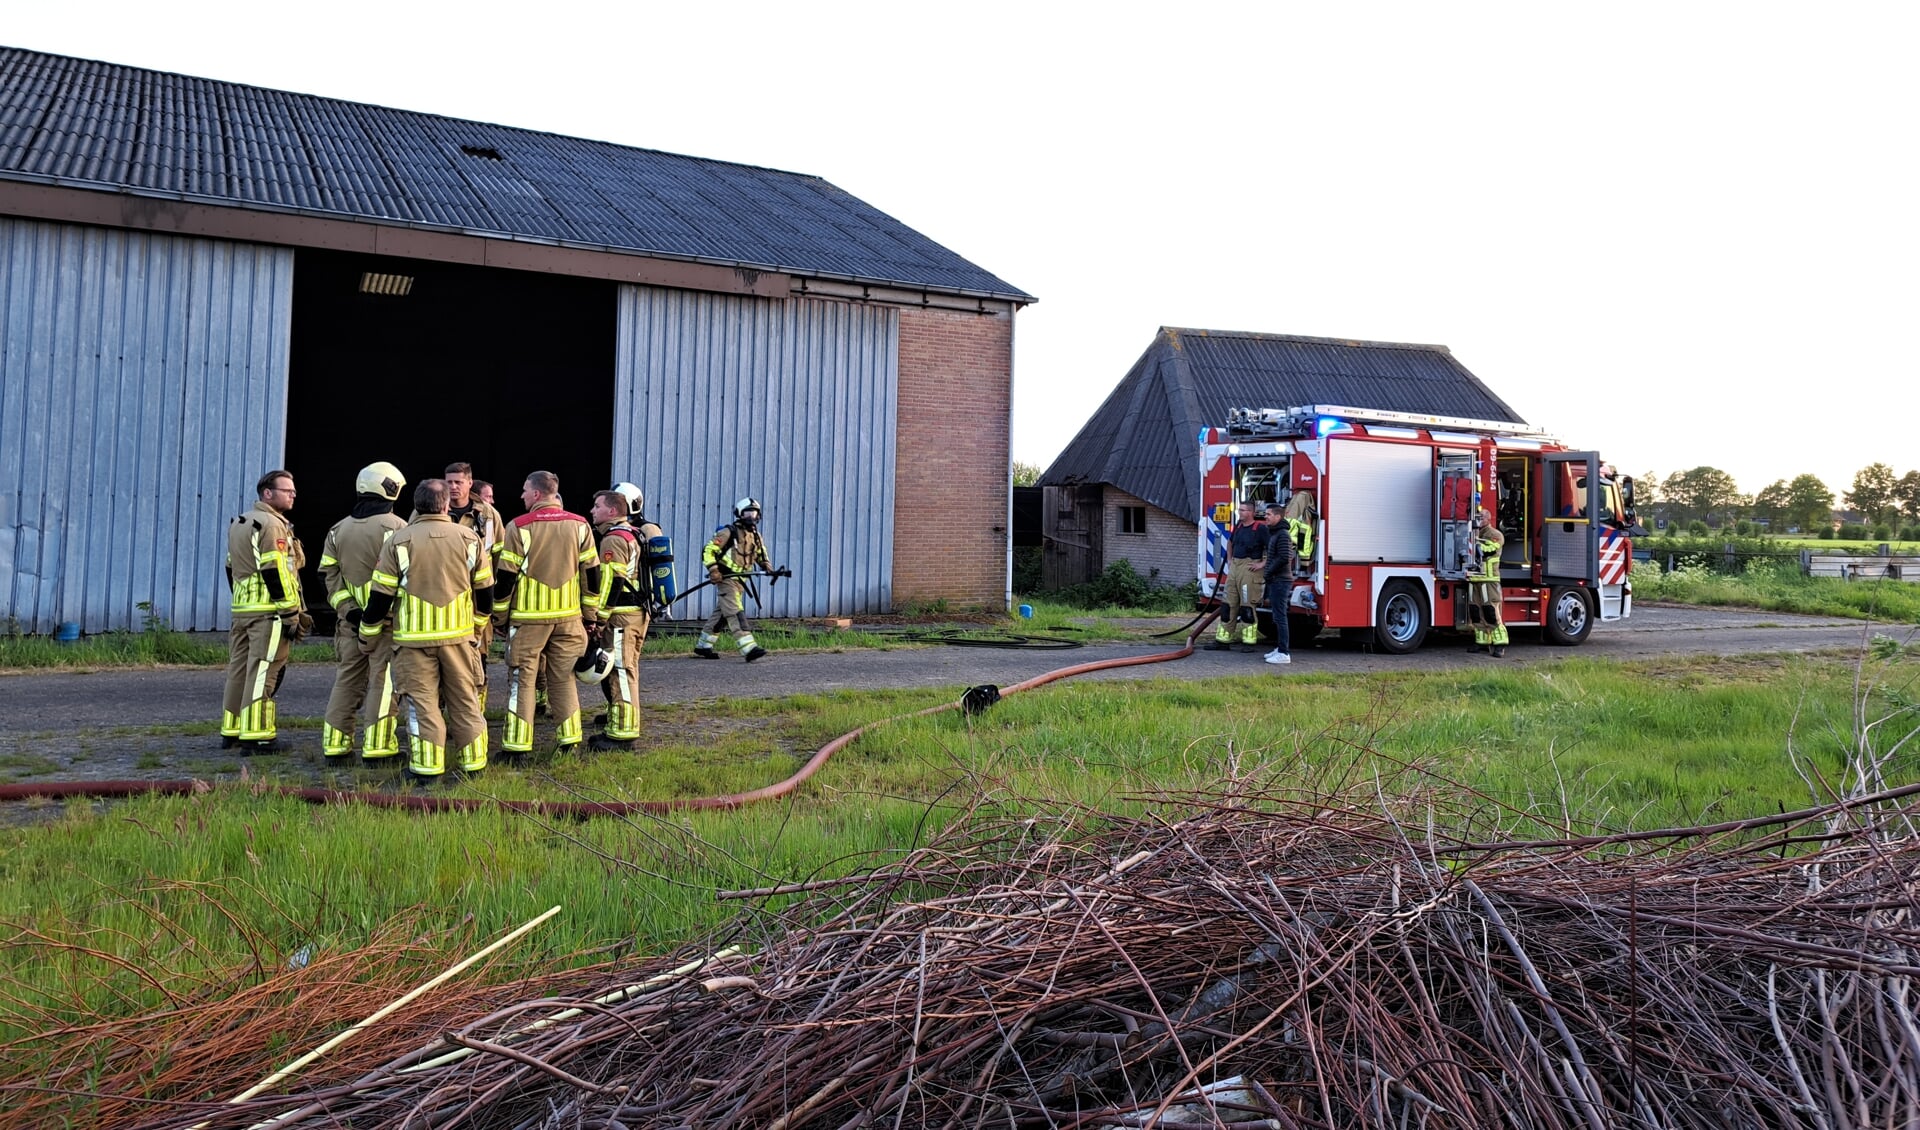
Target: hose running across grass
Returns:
[577, 810]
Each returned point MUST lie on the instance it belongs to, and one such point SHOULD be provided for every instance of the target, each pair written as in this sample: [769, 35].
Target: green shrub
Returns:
[1882, 532]
[1743, 528]
[1852, 531]
[1122, 586]
[1711, 554]
[1028, 572]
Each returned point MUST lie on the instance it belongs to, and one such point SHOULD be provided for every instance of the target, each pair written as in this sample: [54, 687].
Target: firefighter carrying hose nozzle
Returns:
[1241, 589]
[733, 555]
[1483, 587]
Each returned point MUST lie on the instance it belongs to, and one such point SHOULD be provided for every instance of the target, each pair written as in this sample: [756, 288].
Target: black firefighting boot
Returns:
[601, 743]
[754, 652]
[1499, 651]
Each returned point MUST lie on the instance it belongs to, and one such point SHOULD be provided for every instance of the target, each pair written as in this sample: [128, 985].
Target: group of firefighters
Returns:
[1279, 544]
[418, 602]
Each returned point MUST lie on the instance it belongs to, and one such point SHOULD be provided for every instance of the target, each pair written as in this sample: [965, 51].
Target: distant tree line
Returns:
[1880, 500]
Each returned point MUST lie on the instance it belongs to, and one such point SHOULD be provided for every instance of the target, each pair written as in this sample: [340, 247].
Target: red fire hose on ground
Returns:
[578, 810]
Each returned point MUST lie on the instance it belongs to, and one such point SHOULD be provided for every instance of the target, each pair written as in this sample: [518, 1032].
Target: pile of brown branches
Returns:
[1250, 958]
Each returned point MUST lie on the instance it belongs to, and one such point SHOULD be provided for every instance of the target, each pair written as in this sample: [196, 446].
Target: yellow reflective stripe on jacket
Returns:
[250, 594]
[535, 601]
[416, 620]
[341, 596]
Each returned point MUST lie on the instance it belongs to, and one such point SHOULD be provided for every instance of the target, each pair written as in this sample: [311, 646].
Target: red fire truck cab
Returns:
[1392, 499]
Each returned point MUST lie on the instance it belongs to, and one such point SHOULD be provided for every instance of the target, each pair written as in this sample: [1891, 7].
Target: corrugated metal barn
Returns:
[1128, 485]
[200, 281]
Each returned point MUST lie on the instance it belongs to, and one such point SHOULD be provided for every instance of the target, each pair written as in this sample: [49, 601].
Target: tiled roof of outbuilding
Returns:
[122, 129]
[1145, 439]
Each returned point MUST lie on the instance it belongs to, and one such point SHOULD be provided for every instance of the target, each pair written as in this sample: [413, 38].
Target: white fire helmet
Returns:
[593, 666]
[383, 479]
[741, 507]
[636, 498]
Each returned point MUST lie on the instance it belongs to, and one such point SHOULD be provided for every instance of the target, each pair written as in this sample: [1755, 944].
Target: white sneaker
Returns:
[1269, 655]
[1279, 657]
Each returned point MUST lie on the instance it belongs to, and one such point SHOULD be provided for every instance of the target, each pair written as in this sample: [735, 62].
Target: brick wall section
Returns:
[1171, 544]
[951, 471]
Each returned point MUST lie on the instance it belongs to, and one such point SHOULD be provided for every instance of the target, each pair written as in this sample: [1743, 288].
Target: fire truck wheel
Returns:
[1569, 617]
[1400, 623]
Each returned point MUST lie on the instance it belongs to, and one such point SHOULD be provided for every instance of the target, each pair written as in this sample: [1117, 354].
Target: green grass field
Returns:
[113, 908]
[1782, 588]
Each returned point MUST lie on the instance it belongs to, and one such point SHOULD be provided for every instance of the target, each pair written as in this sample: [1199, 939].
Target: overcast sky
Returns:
[1682, 234]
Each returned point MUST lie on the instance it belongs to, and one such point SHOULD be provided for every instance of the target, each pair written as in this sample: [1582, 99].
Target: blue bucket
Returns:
[1026, 612]
[66, 632]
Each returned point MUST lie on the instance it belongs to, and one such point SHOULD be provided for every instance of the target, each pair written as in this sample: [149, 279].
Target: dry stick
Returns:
[1589, 1088]
[376, 1017]
[800, 1112]
[534, 1062]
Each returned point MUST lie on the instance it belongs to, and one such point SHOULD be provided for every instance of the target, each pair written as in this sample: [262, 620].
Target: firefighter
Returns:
[436, 581]
[1246, 550]
[549, 572]
[363, 684]
[735, 551]
[1300, 515]
[620, 623]
[1483, 587]
[264, 560]
[468, 506]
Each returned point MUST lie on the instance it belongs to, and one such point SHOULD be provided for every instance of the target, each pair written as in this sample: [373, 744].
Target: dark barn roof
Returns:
[1145, 439]
[95, 125]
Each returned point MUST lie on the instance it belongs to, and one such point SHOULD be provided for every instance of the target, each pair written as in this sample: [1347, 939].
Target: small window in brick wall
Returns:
[1133, 519]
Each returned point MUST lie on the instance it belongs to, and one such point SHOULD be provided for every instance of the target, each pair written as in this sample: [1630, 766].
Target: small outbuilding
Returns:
[1128, 485]
[200, 281]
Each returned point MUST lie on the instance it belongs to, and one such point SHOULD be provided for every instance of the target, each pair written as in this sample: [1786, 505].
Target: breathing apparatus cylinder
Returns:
[657, 556]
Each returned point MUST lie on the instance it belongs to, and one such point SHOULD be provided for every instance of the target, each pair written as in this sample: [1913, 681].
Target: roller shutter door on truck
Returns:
[1380, 499]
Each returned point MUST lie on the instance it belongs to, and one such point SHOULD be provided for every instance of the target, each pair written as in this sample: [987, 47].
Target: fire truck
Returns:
[1392, 501]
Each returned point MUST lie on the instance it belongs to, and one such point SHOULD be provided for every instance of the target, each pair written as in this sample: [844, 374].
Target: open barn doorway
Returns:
[423, 364]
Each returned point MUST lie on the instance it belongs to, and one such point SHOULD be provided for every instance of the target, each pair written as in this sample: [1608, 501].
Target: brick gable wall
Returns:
[1171, 544]
[951, 471]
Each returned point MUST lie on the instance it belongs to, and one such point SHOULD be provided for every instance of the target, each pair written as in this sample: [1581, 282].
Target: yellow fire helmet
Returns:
[383, 479]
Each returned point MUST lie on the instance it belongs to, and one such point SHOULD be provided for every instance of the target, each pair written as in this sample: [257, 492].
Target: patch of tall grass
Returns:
[107, 906]
[132, 649]
[1781, 587]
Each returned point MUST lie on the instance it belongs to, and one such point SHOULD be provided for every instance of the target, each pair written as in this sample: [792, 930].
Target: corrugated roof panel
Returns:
[126, 128]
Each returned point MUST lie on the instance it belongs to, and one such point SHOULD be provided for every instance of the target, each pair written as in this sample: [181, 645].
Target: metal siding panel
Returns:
[120, 355]
[720, 396]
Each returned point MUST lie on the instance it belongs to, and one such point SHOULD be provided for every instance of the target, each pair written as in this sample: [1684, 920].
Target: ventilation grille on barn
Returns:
[399, 286]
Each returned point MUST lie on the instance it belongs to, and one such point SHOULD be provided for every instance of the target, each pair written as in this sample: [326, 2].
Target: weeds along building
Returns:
[200, 281]
[1128, 485]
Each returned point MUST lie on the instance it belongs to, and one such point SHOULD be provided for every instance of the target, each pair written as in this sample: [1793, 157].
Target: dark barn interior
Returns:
[508, 370]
